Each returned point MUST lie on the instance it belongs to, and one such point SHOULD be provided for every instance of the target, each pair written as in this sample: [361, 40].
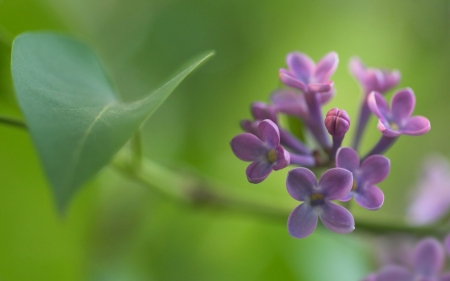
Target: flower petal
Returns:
[416, 126]
[283, 158]
[392, 78]
[445, 277]
[429, 257]
[258, 171]
[447, 243]
[248, 147]
[402, 105]
[378, 105]
[374, 169]
[358, 69]
[300, 183]
[250, 126]
[336, 183]
[336, 218]
[302, 221]
[325, 97]
[370, 197]
[289, 80]
[301, 65]
[370, 277]
[320, 88]
[269, 133]
[290, 102]
[386, 130]
[347, 158]
[261, 111]
[326, 67]
[394, 273]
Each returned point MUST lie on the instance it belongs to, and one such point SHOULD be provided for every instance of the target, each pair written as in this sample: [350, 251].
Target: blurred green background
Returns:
[119, 230]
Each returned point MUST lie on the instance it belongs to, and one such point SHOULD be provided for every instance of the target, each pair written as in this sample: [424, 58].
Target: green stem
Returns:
[191, 190]
[12, 122]
[137, 149]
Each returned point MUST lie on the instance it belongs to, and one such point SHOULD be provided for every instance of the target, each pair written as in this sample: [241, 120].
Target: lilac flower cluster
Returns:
[270, 147]
[428, 259]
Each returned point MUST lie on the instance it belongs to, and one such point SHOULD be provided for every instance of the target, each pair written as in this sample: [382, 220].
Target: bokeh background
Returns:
[118, 230]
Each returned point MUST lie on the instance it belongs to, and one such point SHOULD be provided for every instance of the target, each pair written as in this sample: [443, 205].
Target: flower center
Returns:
[316, 198]
[272, 155]
[393, 126]
[354, 185]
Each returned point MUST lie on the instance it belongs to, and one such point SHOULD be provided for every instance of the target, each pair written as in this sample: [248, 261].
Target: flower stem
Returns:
[191, 190]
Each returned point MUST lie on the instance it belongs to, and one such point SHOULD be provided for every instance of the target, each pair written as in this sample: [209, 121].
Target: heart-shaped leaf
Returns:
[76, 119]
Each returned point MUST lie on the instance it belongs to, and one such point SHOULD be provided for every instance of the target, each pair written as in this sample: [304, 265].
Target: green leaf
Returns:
[76, 119]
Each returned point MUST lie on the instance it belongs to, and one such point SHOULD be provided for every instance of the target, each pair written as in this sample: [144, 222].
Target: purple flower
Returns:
[372, 170]
[431, 200]
[305, 75]
[264, 151]
[334, 184]
[397, 120]
[373, 79]
[428, 261]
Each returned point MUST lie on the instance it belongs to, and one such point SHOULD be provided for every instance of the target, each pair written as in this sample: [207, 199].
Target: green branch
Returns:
[193, 191]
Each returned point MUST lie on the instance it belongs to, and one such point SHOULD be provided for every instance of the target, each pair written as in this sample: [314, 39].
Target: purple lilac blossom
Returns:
[372, 170]
[428, 261]
[431, 200]
[302, 185]
[397, 120]
[264, 151]
[313, 80]
[370, 79]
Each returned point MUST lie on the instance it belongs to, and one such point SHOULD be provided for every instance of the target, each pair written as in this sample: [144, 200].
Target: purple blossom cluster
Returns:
[270, 146]
[428, 259]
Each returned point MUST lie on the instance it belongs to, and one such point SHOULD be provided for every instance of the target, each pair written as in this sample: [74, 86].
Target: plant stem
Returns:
[194, 191]
[136, 143]
[12, 122]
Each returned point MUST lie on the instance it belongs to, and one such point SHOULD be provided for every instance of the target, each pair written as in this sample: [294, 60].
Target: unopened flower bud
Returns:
[337, 122]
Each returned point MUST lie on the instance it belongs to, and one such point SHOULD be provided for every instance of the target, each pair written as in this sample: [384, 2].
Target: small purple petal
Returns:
[370, 277]
[336, 218]
[302, 221]
[248, 147]
[283, 158]
[374, 169]
[326, 96]
[394, 273]
[269, 133]
[326, 67]
[370, 197]
[378, 105]
[261, 111]
[300, 183]
[416, 126]
[250, 126]
[391, 79]
[289, 80]
[428, 257]
[402, 105]
[301, 65]
[258, 171]
[336, 183]
[337, 122]
[347, 158]
[320, 88]
[290, 102]
[358, 69]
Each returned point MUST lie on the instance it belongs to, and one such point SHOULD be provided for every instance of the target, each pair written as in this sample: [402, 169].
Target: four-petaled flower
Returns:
[305, 75]
[264, 151]
[334, 184]
[428, 260]
[372, 170]
[397, 120]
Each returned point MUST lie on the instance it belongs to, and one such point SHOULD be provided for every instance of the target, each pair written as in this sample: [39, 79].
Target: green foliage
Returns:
[76, 119]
